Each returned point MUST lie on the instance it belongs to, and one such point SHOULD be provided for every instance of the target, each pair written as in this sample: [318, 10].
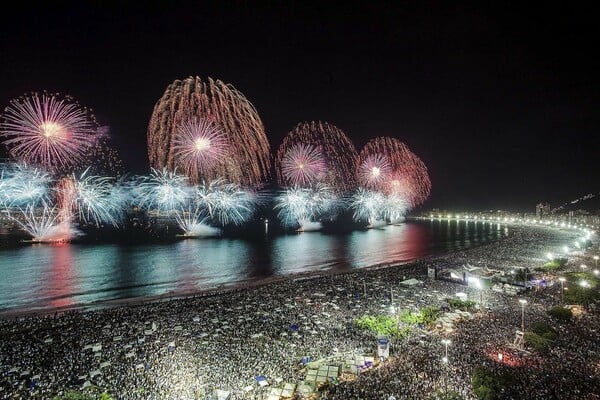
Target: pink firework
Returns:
[374, 171]
[48, 130]
[200, 147]
[302, 165]
[399, 185]
[408, 176]
[335, 149]
[248, 159]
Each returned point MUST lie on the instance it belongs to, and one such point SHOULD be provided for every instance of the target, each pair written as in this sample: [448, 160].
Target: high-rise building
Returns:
[542, 210]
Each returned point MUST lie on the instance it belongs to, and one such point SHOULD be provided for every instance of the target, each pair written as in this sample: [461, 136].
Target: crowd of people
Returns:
[189, 348]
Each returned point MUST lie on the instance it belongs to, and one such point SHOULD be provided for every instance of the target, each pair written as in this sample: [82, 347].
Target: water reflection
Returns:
[61, 281]
[61, 275]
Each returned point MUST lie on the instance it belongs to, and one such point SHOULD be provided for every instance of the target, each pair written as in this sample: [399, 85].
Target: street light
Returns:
[523, 302]
[584, 283]
[446, 342]
[562, 289]
[583, 267]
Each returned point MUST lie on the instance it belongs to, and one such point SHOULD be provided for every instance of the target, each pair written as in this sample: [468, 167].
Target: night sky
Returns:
[500, 101]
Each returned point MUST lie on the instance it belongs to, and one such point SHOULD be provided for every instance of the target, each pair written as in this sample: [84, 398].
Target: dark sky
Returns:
[500, 101]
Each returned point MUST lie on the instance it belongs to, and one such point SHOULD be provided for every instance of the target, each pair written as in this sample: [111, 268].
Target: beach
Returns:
[191, 345]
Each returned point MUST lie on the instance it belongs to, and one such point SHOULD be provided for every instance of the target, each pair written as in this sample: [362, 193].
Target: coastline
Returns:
[11, 314]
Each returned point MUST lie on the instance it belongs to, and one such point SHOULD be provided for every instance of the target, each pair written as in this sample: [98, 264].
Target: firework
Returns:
[226, 203]
[302, 165]
[98, 200]
[101, 158]
[377, 208]
[200, 146]
[305, 207]
[332, 152]
[21, 186]
[396, 207]
[162, 190]
[194, 223]
[233, 145]
[43, 224]
[374, 171]
[369, 206]
[47, 130]
[407, 175]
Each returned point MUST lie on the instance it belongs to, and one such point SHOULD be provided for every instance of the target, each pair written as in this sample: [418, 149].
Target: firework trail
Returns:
[407, 177]
[194, 223]
[47, 130]
[302, 165]
[43, 224]
[191, 109]
[332, 153]
[101, 158]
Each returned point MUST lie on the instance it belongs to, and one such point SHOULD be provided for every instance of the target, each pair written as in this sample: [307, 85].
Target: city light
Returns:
[562, 280]
[523, 302]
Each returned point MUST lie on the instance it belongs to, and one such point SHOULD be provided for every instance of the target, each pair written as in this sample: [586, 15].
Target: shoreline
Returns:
[12, 314]
[208, 292]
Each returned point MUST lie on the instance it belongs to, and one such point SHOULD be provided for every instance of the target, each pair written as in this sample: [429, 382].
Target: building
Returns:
[542, 210]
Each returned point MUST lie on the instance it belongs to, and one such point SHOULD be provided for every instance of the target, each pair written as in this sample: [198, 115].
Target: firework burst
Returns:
[194, 223]
[335, 159]
[374, 171]
[47, 130]
[226, 203]
[240, 131]
[21, 186]
[407, 177]
[306, 206]
[43, 224]
[162, 190]
[302, 165]
[200, 146]
[98, 200]
[369, 206]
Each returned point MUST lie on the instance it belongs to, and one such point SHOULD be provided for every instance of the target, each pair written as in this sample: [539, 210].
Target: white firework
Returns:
[226, 203]
[162, 190]
[98, 200]
[303, 206]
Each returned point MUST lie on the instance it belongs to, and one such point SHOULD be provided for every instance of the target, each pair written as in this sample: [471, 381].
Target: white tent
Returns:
[222, 394]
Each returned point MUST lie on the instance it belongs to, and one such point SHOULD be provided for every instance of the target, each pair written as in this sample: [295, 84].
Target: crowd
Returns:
[188, 348]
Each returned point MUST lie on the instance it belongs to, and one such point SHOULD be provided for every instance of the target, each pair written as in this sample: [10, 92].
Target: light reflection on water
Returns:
[48, 276]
